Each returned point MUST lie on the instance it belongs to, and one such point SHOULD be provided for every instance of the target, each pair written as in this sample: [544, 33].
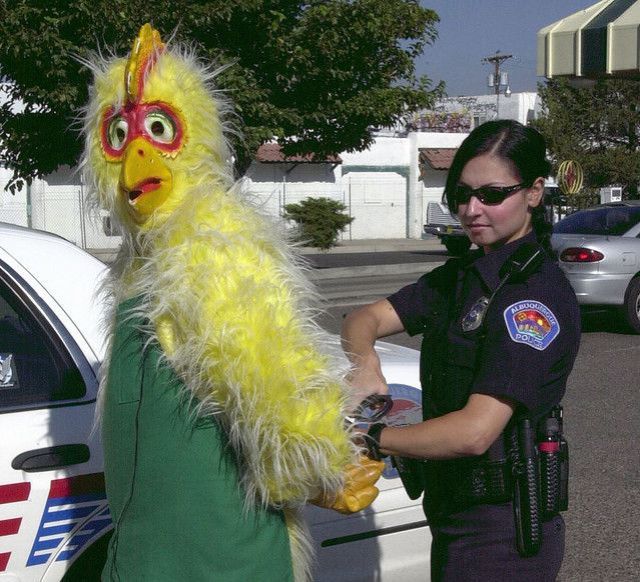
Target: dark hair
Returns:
[522, 147]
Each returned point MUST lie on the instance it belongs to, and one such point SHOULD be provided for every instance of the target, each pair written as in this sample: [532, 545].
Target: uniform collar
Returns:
[488, 266]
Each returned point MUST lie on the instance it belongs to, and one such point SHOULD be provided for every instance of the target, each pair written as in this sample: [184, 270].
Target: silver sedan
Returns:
[599, 251]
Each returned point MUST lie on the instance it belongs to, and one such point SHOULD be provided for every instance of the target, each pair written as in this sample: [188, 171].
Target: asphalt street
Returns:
[602, 418]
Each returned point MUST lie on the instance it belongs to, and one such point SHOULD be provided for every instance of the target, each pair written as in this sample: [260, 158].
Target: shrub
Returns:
[319, 220]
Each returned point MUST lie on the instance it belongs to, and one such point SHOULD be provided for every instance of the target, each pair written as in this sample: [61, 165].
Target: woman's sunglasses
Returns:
[491, 195]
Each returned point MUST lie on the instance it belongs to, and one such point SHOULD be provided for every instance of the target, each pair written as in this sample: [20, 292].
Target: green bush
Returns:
[319, 220]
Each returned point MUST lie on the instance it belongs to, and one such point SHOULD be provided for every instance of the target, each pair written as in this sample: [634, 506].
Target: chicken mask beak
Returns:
[145, 180]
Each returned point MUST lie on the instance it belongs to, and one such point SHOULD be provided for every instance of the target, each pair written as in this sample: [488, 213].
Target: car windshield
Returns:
[608, 221]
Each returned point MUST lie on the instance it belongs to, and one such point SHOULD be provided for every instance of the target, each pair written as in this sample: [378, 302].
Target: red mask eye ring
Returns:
[160, 126]
[114, 132]
[155, 122]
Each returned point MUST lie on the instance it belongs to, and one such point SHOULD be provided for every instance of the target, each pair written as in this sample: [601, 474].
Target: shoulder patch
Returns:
[532, 323]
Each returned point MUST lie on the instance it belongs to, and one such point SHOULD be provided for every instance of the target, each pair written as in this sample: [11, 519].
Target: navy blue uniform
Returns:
[524, 351]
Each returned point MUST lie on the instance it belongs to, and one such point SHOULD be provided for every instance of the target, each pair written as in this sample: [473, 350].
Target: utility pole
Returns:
[496, 79]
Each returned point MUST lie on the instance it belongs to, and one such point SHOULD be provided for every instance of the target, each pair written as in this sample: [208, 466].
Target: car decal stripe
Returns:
[58, 530]
[71, 501]
[365, 535]
[11, 493]
[101, 521]
[62, 515]
[83, 484]
[8, 527]
[14, 492]
[48, 544]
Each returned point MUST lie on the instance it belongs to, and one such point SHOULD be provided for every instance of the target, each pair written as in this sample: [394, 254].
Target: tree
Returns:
[316, 75]
[598, 126]
[320, 221]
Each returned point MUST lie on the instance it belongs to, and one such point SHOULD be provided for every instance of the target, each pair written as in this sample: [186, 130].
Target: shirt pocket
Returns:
[463, 350]
[126, 370]
[130, 389]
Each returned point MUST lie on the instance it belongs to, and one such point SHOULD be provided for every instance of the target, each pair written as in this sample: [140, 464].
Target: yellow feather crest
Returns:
[144, 52]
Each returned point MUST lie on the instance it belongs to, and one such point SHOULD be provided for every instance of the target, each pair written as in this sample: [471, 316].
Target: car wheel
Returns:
[632, 304]
[456, 245]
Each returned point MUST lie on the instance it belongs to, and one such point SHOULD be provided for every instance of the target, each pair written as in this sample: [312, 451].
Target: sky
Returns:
[470, 30]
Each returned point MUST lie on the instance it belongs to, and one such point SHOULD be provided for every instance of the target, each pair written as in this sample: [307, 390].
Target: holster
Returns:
[554, 466]
[526, 494]
[541, 479]
[411, 473]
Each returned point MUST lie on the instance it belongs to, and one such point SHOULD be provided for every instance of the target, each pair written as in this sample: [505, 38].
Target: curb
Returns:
[351, 247]
[376, 246]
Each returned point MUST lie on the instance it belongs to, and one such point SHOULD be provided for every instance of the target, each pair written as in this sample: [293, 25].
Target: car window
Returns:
[33, 370]
[609, 221]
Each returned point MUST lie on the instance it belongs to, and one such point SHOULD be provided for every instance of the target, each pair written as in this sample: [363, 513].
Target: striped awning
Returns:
[601, 40]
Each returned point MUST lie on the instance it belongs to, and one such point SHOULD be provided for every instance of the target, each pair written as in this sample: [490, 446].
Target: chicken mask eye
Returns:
[160, 127]
[117, 132]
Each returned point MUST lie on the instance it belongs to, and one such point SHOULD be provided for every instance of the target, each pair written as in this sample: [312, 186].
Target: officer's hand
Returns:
[366, 379]
[359, 491]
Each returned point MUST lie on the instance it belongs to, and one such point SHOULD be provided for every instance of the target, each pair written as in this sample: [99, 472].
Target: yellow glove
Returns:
[359, 490]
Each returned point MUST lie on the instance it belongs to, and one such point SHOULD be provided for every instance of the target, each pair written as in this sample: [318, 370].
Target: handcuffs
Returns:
[371, 410]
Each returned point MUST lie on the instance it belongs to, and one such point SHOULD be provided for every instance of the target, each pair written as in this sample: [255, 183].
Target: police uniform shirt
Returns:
[527, 343]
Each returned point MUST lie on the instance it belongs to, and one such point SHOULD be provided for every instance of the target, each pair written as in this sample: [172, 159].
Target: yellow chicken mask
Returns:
[152, 109]
[223, 294]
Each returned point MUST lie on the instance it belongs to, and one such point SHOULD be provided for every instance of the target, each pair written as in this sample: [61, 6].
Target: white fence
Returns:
[376, 200]
[59, 209]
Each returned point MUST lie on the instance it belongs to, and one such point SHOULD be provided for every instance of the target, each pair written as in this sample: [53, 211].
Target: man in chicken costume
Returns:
[221, 413]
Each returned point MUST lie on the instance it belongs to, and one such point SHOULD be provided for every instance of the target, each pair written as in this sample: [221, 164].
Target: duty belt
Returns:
[452, 486]
[485, 482]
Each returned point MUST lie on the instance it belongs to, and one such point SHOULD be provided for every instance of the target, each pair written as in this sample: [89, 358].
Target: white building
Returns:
[385, 188]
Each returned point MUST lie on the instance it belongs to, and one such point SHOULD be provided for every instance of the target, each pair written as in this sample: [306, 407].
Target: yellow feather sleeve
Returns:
[230, 315]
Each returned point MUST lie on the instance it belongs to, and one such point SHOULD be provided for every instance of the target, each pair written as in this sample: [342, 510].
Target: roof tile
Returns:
[437, 158]
[271, 153]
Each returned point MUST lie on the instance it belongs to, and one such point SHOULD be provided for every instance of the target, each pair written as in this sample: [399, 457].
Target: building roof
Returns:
[600, 40]
[271, 153]
[437, 158]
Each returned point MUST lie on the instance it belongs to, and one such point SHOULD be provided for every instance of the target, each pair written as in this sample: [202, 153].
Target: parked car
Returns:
[447, 227]
[54, 517]
[599, 250]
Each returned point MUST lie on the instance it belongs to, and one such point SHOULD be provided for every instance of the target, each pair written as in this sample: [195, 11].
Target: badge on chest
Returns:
[473, 320]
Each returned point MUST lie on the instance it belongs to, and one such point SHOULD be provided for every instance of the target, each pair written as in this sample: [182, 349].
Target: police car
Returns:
[54, 517]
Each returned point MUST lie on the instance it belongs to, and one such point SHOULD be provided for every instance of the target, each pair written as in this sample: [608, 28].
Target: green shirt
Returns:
[172, 480]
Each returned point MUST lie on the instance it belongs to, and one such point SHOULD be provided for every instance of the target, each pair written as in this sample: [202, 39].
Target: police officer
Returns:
[501, 329]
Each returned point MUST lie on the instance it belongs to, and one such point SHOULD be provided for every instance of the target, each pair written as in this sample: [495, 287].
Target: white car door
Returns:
[52, 500]
[389, 541]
